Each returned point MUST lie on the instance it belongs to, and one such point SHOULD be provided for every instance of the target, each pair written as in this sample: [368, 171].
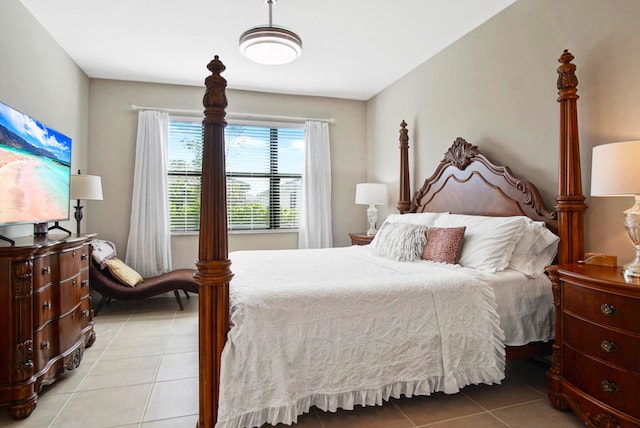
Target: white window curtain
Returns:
[149, 243]
[315, 211]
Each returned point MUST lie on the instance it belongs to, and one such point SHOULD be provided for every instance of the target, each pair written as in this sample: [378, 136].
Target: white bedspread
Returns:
[339, 327]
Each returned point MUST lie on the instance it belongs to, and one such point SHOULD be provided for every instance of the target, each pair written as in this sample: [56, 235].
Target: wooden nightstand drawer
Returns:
[612, 346]
[601, 307]
[614, 387]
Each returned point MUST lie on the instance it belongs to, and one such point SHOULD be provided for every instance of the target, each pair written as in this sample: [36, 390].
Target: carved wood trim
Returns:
[593, 420]
[23, 360]
[501, 192]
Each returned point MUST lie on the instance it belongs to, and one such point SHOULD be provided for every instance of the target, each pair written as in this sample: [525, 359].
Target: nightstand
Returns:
[360, 238]
[595, 368]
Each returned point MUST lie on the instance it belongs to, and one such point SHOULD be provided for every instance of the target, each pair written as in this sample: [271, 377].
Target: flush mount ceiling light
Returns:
[270, 44]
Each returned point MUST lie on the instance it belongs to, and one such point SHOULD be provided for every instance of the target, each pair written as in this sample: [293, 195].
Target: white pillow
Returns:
[102, 251]
[423, 219]
[402, 242]
[488, 241]
[535, 250]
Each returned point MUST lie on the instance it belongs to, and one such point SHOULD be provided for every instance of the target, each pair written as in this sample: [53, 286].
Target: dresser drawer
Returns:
[70, 329]
[45, 271]
[71, 262]
[600, 342]
[614, 387]
[45, 344]
[46, 304]
[602, 308]
[86, 314]
[71, 291]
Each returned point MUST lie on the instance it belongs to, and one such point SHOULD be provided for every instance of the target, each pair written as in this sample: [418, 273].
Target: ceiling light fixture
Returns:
[270, 44]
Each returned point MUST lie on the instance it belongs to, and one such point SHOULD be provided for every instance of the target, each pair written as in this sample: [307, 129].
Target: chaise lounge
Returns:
[109, 287]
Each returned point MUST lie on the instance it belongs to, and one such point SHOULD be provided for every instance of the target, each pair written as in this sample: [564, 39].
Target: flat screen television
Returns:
[35, 171]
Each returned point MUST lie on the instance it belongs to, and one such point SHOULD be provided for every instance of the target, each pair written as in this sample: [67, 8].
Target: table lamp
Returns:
[371, 194]
[84, 187]
[615, 171]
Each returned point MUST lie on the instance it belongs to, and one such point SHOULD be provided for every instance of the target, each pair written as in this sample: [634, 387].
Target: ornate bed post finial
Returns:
[404, 197]
[213, 272]
[567, 80]
[215, 98]
[570, 204]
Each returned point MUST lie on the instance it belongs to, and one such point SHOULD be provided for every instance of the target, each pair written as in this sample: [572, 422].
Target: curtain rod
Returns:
[246, 116]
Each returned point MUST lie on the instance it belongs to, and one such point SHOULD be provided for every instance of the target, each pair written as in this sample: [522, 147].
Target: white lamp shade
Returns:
[615, 169]
[371, 193]
[86, 187]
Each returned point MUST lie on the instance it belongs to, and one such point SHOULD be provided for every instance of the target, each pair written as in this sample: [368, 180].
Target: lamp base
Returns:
[372, 218]
[632, 224]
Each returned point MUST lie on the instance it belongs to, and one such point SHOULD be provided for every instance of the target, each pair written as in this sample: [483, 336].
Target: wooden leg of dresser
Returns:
[23, 409]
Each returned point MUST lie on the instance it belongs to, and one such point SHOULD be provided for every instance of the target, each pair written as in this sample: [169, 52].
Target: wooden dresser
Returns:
[46, 319]
[595, 369]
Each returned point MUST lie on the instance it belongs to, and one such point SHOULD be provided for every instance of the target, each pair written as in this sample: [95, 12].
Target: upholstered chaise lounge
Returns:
[109, 287]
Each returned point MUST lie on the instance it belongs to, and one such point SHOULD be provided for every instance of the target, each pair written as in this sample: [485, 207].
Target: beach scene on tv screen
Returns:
[35, 163]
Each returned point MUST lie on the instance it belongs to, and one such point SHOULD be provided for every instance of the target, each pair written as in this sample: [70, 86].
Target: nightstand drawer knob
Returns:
[46, 305]
[608, 346]
[84, 256]
[608, 386]
[608, 309]
[44, 345]
[46, 270]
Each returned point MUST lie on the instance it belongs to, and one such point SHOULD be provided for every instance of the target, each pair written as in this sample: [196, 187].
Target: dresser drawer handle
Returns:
[46, 270]
[608, 386]
[73, 254]
[608, 309]
[608, 346]
[46, 305]
[84, 256]
[44, 345]
[84, 283]
[73, 283]
[85, 313]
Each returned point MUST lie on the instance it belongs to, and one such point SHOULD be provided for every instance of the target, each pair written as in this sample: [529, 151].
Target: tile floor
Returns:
[142, 372]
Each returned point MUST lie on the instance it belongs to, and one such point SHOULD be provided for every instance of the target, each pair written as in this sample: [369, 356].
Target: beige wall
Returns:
[38, 78]
[112, 139]
[496, 87]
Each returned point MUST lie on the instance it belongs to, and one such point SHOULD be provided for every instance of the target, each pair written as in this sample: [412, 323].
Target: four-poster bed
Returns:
[465, 182]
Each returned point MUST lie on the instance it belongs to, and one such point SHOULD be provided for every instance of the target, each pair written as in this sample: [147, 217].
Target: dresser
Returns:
[595, 368]
[46, 321]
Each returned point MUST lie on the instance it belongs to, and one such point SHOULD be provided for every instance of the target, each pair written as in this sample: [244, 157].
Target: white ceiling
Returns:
[351, 48]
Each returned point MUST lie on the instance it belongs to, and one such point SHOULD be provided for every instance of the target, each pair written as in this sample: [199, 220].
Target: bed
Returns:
[465, 183]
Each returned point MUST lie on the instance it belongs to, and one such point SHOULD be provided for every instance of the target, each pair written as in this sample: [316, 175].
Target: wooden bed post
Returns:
[570, 205]
[213, 267]
[404, 198]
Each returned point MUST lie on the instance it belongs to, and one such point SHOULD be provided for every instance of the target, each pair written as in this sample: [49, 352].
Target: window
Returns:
[264, 176]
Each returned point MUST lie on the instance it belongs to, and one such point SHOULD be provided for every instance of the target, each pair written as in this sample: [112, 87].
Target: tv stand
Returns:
[56, 225]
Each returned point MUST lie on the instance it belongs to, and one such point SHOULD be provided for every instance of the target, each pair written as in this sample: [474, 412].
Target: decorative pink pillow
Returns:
[444, 244]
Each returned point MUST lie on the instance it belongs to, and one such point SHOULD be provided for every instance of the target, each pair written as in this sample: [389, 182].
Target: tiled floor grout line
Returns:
[155, 375]
[413, 424]
[75, 390]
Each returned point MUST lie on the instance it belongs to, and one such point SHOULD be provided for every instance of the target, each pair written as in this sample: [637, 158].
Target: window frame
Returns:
[274, 197]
